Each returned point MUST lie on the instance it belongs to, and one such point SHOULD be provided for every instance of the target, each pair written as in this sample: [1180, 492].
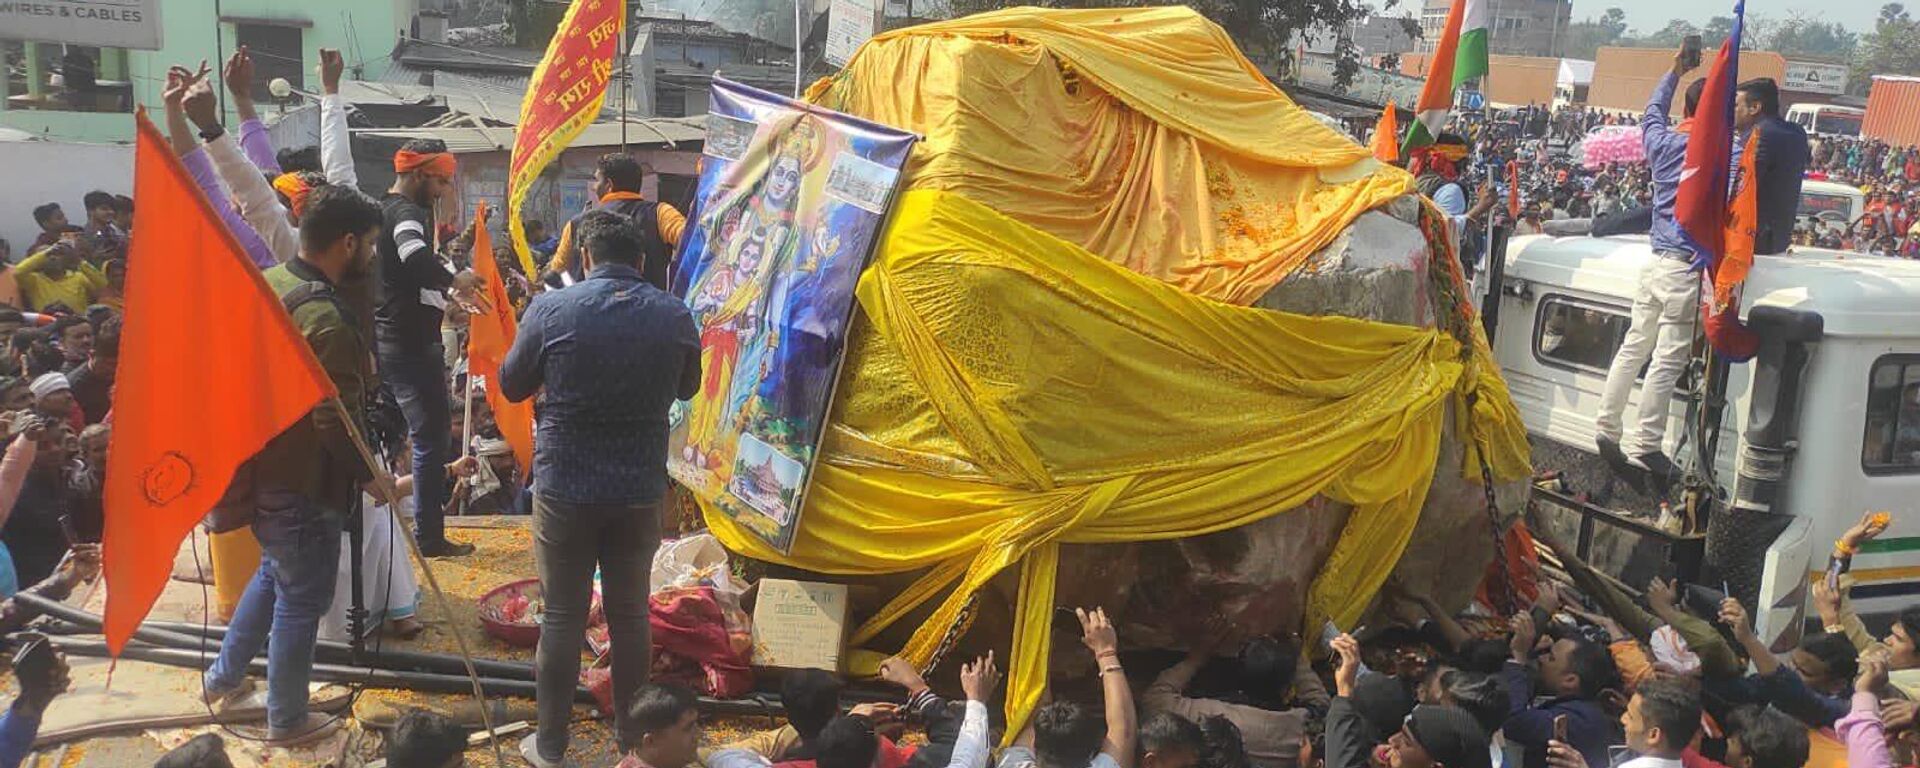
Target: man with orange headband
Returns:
[1436, 173]
[414, 281]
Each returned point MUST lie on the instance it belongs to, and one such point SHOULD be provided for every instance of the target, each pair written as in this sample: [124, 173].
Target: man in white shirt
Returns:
[1660, 722]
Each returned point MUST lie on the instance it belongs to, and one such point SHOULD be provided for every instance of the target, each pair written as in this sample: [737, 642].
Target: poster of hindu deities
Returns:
[790, 200]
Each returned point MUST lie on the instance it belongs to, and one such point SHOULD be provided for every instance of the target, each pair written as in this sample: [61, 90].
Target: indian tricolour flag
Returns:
[1460, 56]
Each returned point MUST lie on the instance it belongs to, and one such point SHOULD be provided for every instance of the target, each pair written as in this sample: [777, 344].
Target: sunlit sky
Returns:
[1650, 15]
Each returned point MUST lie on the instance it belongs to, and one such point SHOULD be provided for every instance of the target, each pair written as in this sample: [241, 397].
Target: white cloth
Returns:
[391, 589]
[49, 383]
[1651, 762]
[336, 147]
[1671, 649]
[1664, 313]
[970, 749]
[258, 203]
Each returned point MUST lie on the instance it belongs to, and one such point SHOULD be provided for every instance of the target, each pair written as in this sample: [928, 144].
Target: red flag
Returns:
[489, 336]
[211, 368]
[1386, 135]
[1700, 203]
[1513, 189]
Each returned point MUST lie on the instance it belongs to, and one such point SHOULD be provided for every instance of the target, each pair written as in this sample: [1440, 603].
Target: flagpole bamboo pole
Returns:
[466, 438]
[384, 482]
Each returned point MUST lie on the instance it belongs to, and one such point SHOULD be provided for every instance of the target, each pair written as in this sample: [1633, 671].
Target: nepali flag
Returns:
[1703, 205]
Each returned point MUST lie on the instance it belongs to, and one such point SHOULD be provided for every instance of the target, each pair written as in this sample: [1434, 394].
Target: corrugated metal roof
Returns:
[659, 131]
[1893, 110]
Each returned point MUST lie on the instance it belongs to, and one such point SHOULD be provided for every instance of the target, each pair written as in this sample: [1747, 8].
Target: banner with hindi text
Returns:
[563, 98]
[790, 202]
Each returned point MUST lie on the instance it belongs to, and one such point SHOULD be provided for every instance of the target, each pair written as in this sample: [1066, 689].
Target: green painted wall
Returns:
[364, 30]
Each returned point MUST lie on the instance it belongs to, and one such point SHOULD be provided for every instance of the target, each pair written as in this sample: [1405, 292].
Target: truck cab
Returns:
[1822, 425]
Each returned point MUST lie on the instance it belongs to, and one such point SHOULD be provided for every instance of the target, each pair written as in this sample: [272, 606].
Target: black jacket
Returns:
[1778, 166]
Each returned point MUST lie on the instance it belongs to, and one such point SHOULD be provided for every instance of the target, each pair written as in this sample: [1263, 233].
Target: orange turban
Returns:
[436, 163]
[295, 189]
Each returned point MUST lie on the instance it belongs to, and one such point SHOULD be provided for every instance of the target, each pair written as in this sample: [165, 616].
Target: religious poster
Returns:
[790, 201]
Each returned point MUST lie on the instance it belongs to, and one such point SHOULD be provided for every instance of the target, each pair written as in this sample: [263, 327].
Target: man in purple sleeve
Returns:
[1663, 313]
[200, 167]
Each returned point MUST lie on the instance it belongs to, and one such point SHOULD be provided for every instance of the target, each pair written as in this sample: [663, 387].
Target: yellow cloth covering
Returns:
[1054, 345]
[1015, 392]
[1142, 135]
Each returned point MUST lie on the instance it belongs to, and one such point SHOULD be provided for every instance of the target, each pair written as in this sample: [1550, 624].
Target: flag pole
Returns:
[383, 482]
[466, 437]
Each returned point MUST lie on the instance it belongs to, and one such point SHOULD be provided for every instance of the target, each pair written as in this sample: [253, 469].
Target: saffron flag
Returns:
[563, 98]
[1700, 203]
[211, 368]
[1729, 336]
[1461, 55]
[1386, 135]
[489, 337]
[1513, 189]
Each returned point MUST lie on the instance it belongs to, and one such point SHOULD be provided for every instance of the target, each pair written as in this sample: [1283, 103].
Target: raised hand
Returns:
[331, 66]
[979, 678]
[1734, 615]
[238, 74]
[1347, 674]
[1525, 635]
[1099, 635]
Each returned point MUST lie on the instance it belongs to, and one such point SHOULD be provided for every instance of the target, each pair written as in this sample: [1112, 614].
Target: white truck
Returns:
[1822, 425]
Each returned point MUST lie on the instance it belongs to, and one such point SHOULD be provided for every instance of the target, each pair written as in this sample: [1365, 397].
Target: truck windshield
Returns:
[1843, 123]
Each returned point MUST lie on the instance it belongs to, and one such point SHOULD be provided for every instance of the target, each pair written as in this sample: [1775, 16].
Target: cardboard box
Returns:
[799, 625]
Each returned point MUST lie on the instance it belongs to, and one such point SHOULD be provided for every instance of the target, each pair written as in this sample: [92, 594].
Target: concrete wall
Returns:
[56, 172]
[1623, 78]
[1511, 80]
[364, 30]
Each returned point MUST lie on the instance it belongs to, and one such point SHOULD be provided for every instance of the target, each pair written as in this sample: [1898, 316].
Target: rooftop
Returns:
[670, 132]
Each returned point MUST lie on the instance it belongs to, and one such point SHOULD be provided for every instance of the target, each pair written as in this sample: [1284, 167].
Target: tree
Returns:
[1672, 35]
[1892, 49]
[1262, 28]
[1800, 35]
[1586, 38]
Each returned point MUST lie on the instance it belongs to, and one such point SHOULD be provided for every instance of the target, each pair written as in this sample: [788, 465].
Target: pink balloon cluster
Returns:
[1612, 144]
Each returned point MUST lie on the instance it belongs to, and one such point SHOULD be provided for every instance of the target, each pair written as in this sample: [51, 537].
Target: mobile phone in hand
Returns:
[33, 659]
[1560, 729]
[1690, 51]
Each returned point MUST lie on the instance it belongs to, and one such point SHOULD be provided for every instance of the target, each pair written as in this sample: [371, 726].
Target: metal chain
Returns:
[1504, 589]
[961, 623]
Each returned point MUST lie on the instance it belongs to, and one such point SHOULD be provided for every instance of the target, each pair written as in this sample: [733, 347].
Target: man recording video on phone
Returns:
[1669, 297]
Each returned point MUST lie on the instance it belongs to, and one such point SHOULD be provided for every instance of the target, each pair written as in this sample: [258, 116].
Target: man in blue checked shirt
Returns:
[609, 354]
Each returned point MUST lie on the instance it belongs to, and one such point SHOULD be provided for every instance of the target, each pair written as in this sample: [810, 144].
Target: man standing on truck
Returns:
[1778, 165]
[1667, 305]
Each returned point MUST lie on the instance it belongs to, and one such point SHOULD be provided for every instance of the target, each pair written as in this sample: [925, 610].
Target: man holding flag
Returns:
[305, 480]
[1669, 296]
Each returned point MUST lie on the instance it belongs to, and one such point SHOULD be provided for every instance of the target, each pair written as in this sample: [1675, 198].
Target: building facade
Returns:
[1517, 27]
[285, 37]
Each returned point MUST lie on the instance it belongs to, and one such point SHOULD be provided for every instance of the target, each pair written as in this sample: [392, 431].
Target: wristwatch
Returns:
[209, 134]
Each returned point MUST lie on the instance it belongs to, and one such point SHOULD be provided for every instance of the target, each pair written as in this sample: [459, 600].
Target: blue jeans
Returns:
[419, 382]
[299, 560]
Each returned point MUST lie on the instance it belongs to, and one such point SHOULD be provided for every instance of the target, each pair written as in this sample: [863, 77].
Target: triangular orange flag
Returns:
[1386, 135]
[211, 369]
[489, 336]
